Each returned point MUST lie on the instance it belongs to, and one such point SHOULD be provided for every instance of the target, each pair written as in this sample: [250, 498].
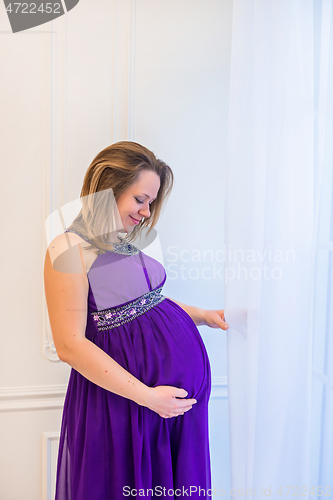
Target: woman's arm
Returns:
[212, 318]
[66, 296]
[196, 313]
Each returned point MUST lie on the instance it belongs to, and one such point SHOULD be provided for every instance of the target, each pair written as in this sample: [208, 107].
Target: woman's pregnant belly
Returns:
[161, 347]
[178, 355]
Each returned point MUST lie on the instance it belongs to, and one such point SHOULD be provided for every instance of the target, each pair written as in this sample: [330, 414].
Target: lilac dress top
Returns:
[110, 447]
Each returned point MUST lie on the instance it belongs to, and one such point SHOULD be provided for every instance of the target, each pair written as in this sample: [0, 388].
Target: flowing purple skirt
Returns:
[110, 447]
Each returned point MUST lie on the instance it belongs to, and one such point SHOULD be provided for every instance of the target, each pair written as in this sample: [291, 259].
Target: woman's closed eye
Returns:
[139, 201]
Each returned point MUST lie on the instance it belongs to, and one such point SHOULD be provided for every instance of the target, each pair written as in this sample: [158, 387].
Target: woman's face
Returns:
[134, 203]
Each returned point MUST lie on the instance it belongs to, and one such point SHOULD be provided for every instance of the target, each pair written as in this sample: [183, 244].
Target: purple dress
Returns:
[110, 447]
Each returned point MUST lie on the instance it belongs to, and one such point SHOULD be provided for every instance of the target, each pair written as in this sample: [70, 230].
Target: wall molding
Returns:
[32, 398]
[123, 63]
[219, 388]
[52, 397]
[50, 450]
[54, 171]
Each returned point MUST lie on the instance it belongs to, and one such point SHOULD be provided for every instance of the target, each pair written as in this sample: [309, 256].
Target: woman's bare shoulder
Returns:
[65, 250]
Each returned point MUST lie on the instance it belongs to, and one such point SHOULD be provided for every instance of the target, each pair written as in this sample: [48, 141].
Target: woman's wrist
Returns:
[144, 395]
[199, 316]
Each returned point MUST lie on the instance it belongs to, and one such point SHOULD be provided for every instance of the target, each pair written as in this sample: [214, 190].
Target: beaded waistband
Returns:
[117, 316]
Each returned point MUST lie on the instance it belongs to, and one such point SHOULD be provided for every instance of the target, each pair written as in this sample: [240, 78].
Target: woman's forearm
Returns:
[98, 367]
[196, 313]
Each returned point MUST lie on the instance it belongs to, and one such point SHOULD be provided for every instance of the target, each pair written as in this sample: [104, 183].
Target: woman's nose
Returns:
[145, 211]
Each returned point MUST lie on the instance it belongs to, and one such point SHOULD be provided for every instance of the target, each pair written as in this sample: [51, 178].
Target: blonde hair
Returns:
[118, 167]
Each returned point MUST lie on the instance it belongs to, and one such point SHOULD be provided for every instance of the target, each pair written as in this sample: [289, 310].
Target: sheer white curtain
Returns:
[279, 158]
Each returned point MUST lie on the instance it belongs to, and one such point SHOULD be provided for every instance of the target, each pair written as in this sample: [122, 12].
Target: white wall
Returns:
[152, 71]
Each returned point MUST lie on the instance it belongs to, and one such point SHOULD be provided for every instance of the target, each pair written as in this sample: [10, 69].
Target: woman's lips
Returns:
[134, 220]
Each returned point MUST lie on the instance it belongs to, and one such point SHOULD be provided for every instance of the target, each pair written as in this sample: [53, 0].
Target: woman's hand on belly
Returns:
[168, 401]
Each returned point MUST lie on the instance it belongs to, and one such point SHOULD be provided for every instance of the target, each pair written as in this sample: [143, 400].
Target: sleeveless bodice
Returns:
[115, 279]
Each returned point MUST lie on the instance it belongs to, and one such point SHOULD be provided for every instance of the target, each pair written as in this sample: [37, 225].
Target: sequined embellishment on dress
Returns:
[117, 316]
[124, 247]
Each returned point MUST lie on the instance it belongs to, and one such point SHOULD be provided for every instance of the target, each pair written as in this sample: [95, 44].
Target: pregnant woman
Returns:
[135, 418]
